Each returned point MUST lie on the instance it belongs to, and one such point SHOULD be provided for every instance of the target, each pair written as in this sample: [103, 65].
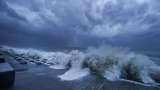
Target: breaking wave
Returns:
[111, 63]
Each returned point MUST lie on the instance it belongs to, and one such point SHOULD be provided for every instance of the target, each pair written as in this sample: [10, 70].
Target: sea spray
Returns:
[75, 67]
[112, 63]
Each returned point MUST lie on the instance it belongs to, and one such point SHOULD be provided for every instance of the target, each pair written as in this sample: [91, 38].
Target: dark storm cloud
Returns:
[7, 13]
[15, 30]
[77, 22]
[102, 18]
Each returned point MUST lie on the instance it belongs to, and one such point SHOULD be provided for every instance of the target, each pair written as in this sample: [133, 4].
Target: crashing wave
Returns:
[111, 63]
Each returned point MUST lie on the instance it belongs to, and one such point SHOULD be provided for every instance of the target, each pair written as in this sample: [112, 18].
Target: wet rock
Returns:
[38, 63]
[18, 59]
[44, 61]
[50, 63]
[32, 61]
[38, 60]
[23, 62]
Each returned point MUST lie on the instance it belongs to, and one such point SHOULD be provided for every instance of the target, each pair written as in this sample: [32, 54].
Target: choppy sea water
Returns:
[107, 62]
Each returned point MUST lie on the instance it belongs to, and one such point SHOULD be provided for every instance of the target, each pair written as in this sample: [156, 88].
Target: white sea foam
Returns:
[74, 74]
[112, 63]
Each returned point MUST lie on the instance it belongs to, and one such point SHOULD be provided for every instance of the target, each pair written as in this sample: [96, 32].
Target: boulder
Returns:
[22, 62]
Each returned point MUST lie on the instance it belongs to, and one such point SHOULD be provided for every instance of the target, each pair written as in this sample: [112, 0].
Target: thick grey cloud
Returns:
[103, 18]
[15, 30]
[78, 22]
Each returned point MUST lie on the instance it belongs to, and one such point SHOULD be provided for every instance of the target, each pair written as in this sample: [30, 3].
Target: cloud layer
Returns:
[78, 22]
[102, 18]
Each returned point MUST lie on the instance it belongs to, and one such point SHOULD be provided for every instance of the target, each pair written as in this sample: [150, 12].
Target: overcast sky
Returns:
[66, 23]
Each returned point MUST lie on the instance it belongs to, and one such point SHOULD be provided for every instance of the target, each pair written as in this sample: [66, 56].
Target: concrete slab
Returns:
[2, 60]
[7, 75]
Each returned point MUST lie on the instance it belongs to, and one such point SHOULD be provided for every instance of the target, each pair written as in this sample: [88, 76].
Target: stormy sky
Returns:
[80, 23]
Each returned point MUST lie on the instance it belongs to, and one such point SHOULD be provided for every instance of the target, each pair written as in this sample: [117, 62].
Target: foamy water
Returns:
[112, 63]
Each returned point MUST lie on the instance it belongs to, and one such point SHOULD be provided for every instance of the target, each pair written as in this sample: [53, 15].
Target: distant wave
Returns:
[111, 63]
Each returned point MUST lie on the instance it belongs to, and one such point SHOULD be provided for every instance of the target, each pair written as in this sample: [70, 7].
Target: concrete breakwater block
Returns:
[7, 75]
